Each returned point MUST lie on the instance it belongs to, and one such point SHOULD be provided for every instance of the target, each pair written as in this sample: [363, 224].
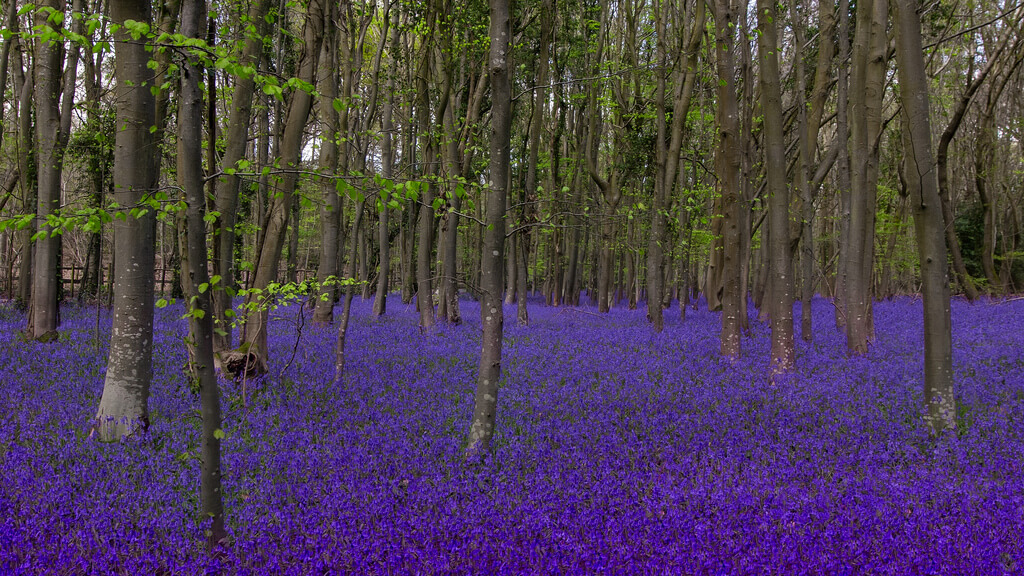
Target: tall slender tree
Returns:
[727, 162]
[481, 429]
[197, 279]
[782, 354]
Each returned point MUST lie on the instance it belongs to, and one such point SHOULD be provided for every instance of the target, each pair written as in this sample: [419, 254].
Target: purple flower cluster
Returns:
[618, 451]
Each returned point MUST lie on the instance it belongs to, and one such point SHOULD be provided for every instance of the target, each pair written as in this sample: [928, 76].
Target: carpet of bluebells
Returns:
[618, 451]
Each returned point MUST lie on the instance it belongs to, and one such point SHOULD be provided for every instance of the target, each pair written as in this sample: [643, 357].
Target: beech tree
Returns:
[124, 406]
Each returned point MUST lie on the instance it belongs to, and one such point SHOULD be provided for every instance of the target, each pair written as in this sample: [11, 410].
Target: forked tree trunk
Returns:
[810, 121]
[867, 79]
[123, 407]
[267, 263]
[227, 186]
[928, 222]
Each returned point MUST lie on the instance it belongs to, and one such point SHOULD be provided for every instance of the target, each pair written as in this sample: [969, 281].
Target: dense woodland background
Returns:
[630, 153]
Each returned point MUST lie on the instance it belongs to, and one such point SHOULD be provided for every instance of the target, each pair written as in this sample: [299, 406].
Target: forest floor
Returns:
[618, 451]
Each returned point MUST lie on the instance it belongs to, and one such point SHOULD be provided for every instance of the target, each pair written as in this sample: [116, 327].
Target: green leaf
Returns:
[412, 190]
[161, 303]
[219, 434]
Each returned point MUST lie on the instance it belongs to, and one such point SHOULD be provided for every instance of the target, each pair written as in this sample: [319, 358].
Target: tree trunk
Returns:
[123, 408]
[47, 67]
[333, 125]
[866, 84]
[97, 165]
[227, 187]
[782, 353]
[190, 179]
[928, 222]
[609, 189]
[387, 172]
[11, 23]
[843, 168]
[728, 168]
[810, 124]
[266, 266]
[656, 239]
[425, 229]
[984, 154]
[492, 316]
[26, 153]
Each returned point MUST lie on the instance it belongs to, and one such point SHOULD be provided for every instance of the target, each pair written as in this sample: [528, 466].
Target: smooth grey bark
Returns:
[856, 285]
[47, 69]
[481, 430]
[922, 183]
[460, 156]
[783, 351]
[123, 408]
[656, 237]
[201, 320]
[448, 284]
[93, 276]
[610, 192]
